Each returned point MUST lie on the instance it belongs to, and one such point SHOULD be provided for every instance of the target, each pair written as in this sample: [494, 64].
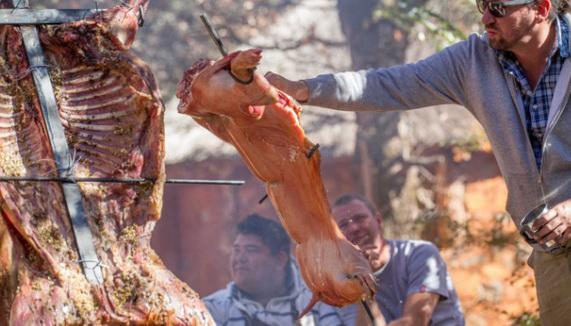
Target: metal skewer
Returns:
[120, 180]
[368, 310]
[262, 199]
[206, 182]
[213, 34]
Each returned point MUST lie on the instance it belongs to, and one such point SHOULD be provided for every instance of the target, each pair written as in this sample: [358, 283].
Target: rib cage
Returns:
[112, 114]
[100, 112]
[16, 125]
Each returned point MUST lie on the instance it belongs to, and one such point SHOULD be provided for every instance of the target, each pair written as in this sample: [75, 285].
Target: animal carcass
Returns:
[111, 109]
[263, 124]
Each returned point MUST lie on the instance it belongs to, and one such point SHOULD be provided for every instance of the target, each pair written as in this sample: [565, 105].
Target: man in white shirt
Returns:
[266, 287]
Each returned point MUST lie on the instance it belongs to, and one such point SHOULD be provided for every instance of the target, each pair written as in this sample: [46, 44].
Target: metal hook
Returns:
[126, 4]
[368, 310]
[30, 68]
[262, 199]
[17, 5]
[245, 82]
[141, 17]
[312, 150]
[98, 264]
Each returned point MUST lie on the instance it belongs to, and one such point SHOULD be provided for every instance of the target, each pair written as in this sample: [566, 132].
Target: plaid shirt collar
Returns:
[537, 102]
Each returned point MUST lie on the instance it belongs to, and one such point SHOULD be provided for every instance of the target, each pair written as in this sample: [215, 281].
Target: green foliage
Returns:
[526, 319]
[500, 237]
[406, 17]
[462, 234]
[472, 142]
[435, 19]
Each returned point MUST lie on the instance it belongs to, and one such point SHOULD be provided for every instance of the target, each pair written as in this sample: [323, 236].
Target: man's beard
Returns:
[500, 43]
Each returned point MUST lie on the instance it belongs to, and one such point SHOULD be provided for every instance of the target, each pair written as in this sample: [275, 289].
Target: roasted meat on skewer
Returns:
[263, 124]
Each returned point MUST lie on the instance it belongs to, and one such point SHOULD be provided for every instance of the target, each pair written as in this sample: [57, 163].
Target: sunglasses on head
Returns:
[498, 8]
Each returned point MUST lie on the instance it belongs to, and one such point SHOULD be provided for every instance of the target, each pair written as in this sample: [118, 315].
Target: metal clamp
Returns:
[60, 149]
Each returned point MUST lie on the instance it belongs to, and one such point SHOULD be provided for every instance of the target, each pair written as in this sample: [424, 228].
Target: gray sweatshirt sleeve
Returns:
[438, 79]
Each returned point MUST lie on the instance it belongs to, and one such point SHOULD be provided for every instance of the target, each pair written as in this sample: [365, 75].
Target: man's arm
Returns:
[441, 78]
[418, 309]
[296, 89]
[428, 283]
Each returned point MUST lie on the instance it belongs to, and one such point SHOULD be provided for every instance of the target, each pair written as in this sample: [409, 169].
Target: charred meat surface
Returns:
[111, 109]
[263, 124]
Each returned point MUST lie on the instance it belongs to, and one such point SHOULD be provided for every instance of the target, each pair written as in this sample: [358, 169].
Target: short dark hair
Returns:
[349, 197]
[270, 232]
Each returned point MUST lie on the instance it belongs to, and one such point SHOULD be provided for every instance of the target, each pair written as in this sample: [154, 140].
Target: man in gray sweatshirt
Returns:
[514, 79]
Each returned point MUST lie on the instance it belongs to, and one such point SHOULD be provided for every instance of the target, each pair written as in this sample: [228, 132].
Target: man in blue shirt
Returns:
[413, 285]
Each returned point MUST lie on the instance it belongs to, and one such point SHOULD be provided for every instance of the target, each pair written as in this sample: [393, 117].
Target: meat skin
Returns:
[112, 113]
[263, 124]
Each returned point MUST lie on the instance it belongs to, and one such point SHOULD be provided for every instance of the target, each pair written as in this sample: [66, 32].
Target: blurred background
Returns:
[431, 172]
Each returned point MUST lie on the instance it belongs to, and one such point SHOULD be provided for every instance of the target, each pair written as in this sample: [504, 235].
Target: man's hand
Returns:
[296, 89]
[554, 225]
[418, 309]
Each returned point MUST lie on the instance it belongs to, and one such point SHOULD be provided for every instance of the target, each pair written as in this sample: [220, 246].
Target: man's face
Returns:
[358, 223]
[252, 264]
[513, 30]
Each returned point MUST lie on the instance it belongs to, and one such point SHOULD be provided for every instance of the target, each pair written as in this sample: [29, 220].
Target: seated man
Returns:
[266, 287]
[413, 285]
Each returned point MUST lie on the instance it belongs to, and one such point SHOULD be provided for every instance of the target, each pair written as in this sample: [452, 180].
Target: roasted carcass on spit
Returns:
[112, 113]
[263, 124]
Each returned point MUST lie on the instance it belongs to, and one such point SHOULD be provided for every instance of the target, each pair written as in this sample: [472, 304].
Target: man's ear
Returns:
[379, 219]
[543, 8]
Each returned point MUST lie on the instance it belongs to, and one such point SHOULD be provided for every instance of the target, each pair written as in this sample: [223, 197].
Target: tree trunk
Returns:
[376, 43]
